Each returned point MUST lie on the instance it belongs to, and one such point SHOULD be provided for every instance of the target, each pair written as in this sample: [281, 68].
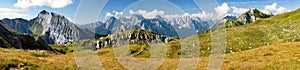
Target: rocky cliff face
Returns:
[54, 28]
[11, 39]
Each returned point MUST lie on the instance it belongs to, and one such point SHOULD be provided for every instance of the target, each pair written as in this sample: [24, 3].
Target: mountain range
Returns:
[181, 26]
[56, 29]
[159, 24]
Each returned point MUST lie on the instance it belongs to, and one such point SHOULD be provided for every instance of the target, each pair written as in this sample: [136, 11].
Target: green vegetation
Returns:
[174, 49]
[277, 29]
[6, 43]
[36, 29]
[64, 49]
[233, 23]
[276, 56]
[143, 51]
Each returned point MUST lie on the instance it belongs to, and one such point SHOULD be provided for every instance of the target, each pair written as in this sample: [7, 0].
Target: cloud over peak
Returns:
[222, 10]
[146, 14]
[225, 9]
[237, 10]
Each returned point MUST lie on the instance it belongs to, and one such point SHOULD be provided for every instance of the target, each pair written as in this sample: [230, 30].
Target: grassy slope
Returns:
[15, 58]
[277, 29]
[276, 56]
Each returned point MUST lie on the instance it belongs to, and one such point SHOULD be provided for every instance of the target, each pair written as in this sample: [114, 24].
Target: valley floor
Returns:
[277, 56]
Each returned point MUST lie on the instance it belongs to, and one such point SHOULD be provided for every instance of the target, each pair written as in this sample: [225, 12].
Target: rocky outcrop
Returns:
[135, 36]
[246, 18]
[252, 15]
[11, 39]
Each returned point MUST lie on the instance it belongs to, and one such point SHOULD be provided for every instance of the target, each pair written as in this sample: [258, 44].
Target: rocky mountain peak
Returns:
[55, 28]
[248, 17]
[44, 12]
[252, 15]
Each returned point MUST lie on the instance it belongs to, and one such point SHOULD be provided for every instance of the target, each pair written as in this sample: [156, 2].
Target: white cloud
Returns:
[274, 9]
[113, 14]
[24, 4]
[13, 13]
[204, 15]
[238, 11]
[222, 10]
[150, 14]
[117, 13]
[108, 14]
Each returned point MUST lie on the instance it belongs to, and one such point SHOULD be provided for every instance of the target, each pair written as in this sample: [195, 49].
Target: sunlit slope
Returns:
[277, 56]
[276, 29]
[34, 59]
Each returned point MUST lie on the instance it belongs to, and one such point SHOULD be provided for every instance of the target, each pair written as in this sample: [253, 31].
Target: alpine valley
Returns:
[254, 40]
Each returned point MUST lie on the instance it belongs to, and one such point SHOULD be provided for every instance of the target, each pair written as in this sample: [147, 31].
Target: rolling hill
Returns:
[276, 29]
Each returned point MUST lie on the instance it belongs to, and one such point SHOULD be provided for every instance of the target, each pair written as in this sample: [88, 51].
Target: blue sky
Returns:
[29, 9]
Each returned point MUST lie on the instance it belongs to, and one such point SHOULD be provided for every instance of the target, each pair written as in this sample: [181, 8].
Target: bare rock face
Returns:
[53, 28]
[11, 39]
[56, 29]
